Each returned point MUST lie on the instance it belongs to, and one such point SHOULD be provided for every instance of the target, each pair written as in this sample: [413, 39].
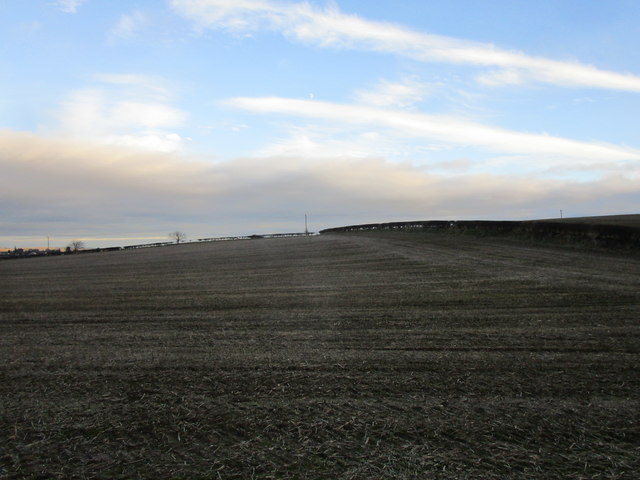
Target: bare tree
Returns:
[178, 236]
[76, 245]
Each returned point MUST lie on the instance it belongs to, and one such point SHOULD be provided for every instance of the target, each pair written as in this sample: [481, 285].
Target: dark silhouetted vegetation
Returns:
[596, 234]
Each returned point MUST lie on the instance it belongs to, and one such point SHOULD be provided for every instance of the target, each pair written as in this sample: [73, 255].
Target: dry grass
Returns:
[615, 220]
[396, 356]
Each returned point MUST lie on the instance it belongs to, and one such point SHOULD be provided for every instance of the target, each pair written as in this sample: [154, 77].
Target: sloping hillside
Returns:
[612, 232]
[617, 220]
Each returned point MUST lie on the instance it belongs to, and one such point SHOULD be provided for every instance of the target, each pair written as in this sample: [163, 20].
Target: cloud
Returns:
[546, 148]
[146, 83]
[69, 6]
[66, 188]
[393, 94]
[339, 140]
[126, 109]
[497, 78]
[146, 115]
[136, 85]
[127, 26]
[316, 142]
[329, 27]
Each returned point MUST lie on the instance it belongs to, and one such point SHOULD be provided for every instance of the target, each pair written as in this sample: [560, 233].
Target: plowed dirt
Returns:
[391, 356]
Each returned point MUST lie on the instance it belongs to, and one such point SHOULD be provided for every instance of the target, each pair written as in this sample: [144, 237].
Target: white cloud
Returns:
[145, 115]
[339, 140]
[502, 77]
[128, 25]
[149, 140]
[130, 110]
[546, 148]
[329, 27]
[146, 86]
[69, 6]
[393, 94]
[313, 142]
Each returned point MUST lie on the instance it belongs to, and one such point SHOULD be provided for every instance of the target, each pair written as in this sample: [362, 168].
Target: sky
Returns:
[123, 121]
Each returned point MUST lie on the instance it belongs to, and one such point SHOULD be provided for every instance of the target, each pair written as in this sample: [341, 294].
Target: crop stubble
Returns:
[351, 356]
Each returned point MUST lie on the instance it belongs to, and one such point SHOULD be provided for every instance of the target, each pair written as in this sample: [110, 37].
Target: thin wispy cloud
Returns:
[148, 84]
[127, 26]
[439, 127]
[69, 6]
[403, 94]
[329, 27]
[325, 143]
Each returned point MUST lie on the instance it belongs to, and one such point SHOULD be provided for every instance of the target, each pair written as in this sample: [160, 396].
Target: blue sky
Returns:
[122, 121]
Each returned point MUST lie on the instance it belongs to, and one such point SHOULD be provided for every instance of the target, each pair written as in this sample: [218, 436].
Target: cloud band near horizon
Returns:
[54, 187]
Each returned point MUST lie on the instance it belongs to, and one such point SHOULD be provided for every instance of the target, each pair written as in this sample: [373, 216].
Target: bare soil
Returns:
[347, 356]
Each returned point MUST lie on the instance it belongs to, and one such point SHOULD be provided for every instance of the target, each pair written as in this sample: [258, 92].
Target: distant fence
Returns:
[144, 245]
[200, 240]
[253, 237]
[597, 234]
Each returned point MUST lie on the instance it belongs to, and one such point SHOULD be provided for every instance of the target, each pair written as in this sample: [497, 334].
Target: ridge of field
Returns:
[349, 356]
[617, 235]
[630, 220]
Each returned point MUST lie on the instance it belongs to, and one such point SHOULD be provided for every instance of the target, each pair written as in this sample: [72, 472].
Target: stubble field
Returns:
[348, 356]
